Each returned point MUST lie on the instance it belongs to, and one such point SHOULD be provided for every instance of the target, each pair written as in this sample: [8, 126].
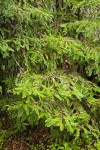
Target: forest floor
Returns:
[28, 140]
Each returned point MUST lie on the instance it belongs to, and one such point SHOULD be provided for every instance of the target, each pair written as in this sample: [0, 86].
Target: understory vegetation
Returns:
[50, 74]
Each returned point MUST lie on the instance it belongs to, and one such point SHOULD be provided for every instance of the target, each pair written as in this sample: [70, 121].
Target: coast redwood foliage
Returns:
[50, 72]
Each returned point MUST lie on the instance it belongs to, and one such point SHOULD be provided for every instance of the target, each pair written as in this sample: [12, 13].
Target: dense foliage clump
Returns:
[50, 71]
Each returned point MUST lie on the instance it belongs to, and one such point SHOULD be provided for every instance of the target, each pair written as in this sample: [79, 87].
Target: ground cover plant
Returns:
[50, 74]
